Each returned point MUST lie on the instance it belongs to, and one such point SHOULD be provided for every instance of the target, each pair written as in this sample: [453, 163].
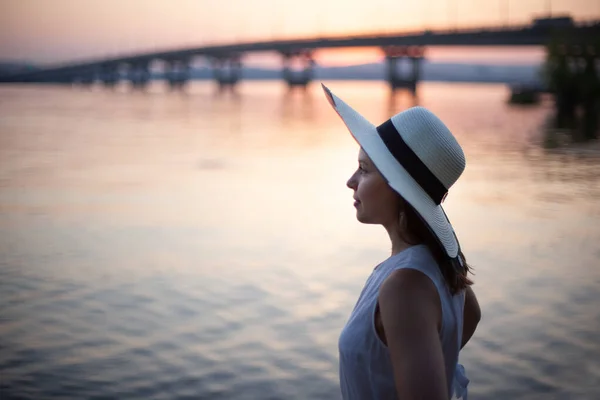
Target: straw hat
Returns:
[417, 155]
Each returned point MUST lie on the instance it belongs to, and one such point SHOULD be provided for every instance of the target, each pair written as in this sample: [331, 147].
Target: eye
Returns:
[361, 169]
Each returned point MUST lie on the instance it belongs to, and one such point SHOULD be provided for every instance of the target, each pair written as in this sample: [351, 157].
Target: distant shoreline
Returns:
[430, 72]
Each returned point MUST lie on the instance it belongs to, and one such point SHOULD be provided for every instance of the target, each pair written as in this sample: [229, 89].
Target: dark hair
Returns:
[419, 233]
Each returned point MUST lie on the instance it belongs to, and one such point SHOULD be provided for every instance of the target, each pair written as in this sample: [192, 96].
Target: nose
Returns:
[351, 183]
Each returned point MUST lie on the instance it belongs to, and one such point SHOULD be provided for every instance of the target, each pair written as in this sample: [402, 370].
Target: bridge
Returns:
[226, 60]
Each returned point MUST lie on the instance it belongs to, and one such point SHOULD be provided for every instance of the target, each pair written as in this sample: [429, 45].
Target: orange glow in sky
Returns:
[47, 31]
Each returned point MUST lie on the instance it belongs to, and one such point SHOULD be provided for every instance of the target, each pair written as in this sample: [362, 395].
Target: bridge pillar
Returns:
[178, 73]
[139, 74]
[305, 57]
[85, 77]
[109, 75]
[227, 70]
[415, 56]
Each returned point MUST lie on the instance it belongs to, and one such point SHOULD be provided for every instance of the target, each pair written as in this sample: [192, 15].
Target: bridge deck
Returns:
[529, 35]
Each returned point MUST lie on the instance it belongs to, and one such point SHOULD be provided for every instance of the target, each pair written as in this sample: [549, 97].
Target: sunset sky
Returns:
[51, 31]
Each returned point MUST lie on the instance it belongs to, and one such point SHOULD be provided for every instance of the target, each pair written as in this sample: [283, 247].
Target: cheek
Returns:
[376, 195]
[362, 188]
[369, 190]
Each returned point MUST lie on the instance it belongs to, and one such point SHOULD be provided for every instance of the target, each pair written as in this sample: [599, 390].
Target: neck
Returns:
[398, 244]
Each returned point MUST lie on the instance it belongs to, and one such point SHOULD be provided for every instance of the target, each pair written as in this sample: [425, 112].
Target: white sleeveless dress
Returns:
[365, 363]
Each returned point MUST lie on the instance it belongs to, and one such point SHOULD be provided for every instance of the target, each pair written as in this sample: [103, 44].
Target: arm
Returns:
[411, 316]
[471, 316]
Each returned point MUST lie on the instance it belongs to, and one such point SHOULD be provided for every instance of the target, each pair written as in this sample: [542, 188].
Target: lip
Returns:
[356, 203]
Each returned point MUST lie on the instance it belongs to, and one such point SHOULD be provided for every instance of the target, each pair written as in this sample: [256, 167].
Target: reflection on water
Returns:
[173, 245]
[399, 100]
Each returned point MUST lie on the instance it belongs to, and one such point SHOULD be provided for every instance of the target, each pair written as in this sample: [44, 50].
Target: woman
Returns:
[416, 310]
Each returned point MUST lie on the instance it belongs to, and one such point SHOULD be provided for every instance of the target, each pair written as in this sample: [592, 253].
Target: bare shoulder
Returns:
[407, 282]
[406, 292]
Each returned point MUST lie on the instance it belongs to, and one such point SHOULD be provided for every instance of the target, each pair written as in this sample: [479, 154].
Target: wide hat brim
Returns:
[366, 135]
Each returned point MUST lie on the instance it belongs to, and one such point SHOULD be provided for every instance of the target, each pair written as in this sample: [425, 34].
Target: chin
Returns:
[366, 219]
[362, 219]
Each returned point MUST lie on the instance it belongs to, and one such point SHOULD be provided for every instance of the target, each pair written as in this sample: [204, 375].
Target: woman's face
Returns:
[375, 201]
